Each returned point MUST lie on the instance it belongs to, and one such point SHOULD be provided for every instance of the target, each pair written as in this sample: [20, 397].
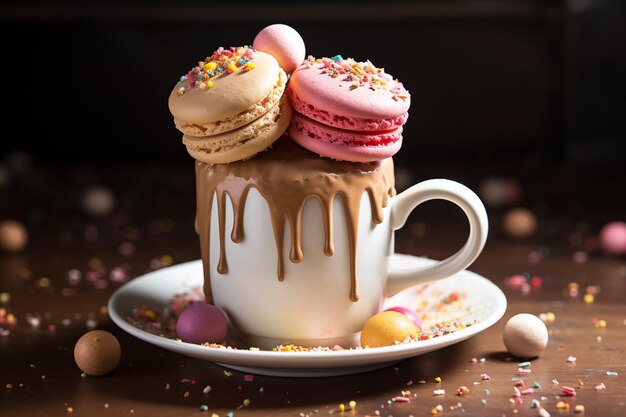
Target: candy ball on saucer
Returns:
[387, 328]
[13, 236]
[201, 323]
[519, 223]
[409, 313]
[613, 238]
[97, 353]
[282, 42]
[525, 335]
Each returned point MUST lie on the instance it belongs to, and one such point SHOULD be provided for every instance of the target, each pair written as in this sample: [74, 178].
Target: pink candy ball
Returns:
[283, 43]
[200, 323]
[613, 238]
[409, 313]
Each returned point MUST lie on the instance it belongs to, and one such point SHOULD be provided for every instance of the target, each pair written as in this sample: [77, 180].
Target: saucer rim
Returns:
[279, 362]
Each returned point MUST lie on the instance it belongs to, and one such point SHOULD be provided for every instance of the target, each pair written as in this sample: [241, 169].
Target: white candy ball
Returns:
[525, 335]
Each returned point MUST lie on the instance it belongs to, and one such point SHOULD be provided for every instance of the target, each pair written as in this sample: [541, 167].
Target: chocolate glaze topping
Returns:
[287, 176]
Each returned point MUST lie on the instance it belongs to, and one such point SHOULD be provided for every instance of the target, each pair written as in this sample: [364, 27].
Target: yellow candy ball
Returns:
[387, 328]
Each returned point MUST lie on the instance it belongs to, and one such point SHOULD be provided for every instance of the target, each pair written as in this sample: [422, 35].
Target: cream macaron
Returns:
[230, 106]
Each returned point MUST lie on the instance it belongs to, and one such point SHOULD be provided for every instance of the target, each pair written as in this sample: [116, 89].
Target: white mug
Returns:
[312, 306]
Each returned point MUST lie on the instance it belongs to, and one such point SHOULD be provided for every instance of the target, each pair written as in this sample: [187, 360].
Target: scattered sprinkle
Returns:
[462, 390]
[535, 404]
[524, 365]
[600, 387]
[438, 379]
[579, 409]
[611, 373]
[206, 389]
[401, 399]
[548, 317]
[571, 359]
[485, 377]
[204, 407]
[562, 405]
[569, 391]
[542, 412]
[439, 392]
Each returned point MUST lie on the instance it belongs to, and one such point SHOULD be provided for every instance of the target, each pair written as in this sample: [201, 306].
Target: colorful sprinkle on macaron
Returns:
[359, 74]
[223, 61]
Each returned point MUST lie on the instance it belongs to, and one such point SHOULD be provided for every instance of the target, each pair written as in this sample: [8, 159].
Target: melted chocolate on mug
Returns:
[287, 176]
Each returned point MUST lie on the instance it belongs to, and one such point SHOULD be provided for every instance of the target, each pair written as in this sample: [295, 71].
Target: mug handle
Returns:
[438, 189]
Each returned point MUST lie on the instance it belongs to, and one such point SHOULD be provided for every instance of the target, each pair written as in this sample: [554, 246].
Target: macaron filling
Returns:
[242, 118]
[344, 122]
[329, 134]
[344, 145]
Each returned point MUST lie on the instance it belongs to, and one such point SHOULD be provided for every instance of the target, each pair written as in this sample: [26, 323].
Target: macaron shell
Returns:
[242, 143]
[343, 122]
[344, 145]
[313, 86]
[242, 118]
[230, 95]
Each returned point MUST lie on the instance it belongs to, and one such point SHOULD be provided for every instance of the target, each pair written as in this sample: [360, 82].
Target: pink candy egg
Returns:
[409, 313]
[613, 238]
[283, 43]
[201, 323]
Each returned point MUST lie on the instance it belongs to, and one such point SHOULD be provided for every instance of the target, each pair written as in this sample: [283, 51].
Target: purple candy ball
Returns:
[200, 323]
[409, 313]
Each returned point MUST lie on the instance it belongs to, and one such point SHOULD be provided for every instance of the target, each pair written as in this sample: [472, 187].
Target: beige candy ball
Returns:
[13, 236]
[525, 335]
[387, 328]
[98, 201]
[97, 353]
[519, 223]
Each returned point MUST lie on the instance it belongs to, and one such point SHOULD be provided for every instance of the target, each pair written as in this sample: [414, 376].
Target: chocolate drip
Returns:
[286, 177]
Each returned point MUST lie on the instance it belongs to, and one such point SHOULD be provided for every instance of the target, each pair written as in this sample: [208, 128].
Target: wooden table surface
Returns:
[154, 217]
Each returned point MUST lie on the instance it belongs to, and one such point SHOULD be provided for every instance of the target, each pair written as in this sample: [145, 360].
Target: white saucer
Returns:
[482, 302]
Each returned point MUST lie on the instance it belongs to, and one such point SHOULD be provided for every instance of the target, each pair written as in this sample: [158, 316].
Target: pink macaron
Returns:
[347, 110]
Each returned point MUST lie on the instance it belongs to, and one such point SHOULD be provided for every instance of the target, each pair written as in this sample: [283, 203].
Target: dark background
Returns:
[532, 90]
